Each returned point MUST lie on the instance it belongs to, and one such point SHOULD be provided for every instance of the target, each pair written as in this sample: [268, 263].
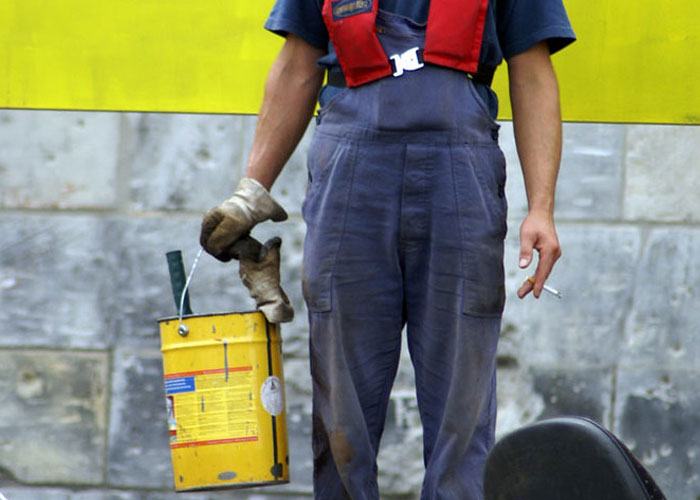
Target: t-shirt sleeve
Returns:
[301, 18]
[524, 23]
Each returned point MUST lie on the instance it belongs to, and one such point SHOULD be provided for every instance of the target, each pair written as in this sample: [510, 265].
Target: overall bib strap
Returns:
[455, 32]
[352, 30]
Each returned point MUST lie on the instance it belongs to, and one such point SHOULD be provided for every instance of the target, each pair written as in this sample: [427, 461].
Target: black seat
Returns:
[567, 458]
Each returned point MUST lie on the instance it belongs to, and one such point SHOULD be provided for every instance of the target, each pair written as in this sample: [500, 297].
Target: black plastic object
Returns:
[178, 278]
[568, 458]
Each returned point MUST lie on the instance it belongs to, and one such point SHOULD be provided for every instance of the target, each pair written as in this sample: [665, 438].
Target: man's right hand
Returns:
[250, 204]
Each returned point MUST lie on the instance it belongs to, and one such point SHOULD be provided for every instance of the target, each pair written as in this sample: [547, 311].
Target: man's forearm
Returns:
[288, 105]
[537, 124]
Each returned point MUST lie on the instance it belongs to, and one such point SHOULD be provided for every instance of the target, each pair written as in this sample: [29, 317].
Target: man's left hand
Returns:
[537, 232]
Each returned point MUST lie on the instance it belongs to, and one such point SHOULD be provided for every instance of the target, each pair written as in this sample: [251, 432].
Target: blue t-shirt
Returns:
[512, 27]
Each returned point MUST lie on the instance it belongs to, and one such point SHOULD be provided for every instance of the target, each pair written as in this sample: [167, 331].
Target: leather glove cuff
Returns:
[257, 202]
[261, 275]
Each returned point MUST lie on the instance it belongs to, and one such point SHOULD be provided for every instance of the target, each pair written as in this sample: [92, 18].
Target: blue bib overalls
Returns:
[406, 217]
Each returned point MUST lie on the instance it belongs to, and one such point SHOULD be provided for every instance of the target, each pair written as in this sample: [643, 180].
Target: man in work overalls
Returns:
[405, 212]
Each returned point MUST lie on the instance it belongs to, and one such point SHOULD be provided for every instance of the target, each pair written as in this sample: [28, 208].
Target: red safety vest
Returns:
[453, 36]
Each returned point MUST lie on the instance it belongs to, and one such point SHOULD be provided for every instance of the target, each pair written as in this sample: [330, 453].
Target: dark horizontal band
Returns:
[483, 76]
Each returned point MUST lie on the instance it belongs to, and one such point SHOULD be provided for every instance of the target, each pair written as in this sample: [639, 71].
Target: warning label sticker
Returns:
[180, 384]
[212, 407]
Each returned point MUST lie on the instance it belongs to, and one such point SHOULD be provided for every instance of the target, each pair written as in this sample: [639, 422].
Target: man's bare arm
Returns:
[537, 124]
[290, 99]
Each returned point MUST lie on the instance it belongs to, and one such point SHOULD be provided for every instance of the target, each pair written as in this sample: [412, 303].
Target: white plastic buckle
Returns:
[406, 61]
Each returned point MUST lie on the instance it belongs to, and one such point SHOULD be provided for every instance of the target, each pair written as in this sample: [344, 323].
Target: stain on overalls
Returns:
[406, 217]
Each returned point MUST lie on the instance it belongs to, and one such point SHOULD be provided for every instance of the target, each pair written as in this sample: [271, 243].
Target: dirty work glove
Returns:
[261, 275]
[223, 225]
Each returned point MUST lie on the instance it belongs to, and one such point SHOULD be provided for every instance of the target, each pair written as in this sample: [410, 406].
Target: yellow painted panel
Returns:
[635, 60]
[146, 55]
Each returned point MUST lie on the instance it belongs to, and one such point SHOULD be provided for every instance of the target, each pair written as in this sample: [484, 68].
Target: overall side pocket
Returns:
[330, 164]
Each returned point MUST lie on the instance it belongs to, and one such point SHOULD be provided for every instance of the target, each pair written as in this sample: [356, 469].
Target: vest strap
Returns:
[453, 38]
[352, 30]
[455, 33]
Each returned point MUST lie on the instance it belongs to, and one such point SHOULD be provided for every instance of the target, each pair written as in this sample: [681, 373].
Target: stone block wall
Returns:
[90, 203]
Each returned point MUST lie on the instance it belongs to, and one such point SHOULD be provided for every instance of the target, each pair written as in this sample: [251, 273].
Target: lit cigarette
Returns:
[546, 288]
